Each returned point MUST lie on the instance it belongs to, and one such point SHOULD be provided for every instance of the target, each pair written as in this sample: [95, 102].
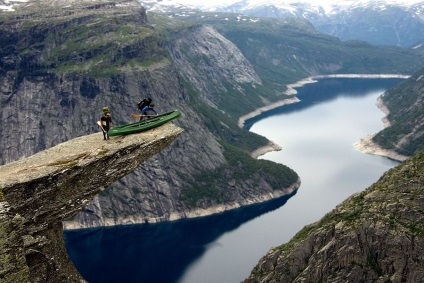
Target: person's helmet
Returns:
[105, 110]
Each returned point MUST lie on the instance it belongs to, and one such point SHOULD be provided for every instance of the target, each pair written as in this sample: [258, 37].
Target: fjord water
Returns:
[317, 136]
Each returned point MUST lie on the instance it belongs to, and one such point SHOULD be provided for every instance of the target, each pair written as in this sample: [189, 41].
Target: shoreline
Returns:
[365, 145]
[72, 225]
[266, 108]
[313, 79]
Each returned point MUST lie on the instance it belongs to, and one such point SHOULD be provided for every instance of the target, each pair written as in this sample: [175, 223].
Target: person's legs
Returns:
[105, 133]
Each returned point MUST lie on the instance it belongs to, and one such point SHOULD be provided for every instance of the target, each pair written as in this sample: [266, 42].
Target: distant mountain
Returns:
[377, 22]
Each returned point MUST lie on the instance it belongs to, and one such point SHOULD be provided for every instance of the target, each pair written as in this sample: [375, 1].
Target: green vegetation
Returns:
[416, 228]
[223, 124]
[278, 176]
[240, 169]
[406, 133]
[96, 44]
[202, 188]
[102, 49]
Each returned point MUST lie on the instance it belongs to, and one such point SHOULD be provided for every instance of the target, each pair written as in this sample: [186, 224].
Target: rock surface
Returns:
[38, 192]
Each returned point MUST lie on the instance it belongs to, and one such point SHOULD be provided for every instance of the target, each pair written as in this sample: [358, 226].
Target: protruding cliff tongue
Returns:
[38, 192]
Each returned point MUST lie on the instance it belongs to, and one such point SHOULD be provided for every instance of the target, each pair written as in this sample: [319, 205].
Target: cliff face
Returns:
[374, 236]
[215, 52]
[61, 61]
[38, 192]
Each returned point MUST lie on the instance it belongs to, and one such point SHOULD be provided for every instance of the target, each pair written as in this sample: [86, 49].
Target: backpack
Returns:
[144, 102]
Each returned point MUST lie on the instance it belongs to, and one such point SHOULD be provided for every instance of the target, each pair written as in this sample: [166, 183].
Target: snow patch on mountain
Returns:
[288, 5]
[9, 5]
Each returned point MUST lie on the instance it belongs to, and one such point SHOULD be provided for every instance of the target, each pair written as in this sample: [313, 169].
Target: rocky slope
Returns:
[38, 192]
[374, 236]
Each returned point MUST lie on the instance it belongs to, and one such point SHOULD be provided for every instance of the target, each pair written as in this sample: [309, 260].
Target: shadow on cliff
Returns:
[158, 252]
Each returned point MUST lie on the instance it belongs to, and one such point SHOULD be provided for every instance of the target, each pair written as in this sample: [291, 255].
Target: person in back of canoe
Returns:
[106, 124]
[148, 110]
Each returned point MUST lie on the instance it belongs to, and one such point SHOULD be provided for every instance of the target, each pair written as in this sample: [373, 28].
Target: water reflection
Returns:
[153, 252]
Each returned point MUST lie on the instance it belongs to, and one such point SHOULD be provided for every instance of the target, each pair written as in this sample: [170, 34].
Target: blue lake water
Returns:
[317, 136]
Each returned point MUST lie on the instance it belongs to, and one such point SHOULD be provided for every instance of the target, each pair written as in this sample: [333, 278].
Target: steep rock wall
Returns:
[211, 62]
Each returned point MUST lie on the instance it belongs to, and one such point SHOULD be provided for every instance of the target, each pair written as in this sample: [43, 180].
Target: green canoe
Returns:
[144, 125]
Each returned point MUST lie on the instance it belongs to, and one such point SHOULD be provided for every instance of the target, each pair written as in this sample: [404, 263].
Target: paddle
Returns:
[101, 127]
[141, 115]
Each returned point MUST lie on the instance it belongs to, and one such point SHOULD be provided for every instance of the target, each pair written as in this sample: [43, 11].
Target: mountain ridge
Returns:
[399, 23]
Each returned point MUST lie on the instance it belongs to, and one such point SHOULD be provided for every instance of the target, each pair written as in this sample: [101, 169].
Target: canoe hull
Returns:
[144, 125]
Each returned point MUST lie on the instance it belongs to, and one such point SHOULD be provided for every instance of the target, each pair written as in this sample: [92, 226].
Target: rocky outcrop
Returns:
[374, 236]
[38, 192]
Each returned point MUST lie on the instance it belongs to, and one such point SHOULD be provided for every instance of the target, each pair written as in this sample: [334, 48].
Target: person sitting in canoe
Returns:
[148, 110]
[105, 123]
